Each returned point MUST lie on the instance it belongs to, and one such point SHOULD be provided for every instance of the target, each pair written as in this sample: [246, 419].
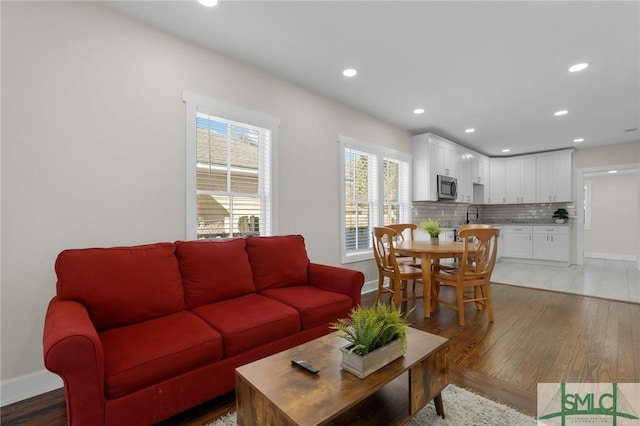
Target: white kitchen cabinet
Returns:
[551, 243]
[520, 173]
[553, 173]
[497, 181]
[423, 149]
[447, 158]
[465, 185]
[500, 243]
[518, 242]
[479, 170]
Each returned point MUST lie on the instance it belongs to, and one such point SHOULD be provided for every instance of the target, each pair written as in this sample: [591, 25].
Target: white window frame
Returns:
[196, 103]
[377, 199]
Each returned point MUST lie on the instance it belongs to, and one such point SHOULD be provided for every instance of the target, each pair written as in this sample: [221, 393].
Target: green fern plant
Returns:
[368, 329]
[431, 226]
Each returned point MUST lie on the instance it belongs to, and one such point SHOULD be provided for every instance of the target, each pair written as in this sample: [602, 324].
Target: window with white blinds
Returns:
[375, 191]
[230, 185]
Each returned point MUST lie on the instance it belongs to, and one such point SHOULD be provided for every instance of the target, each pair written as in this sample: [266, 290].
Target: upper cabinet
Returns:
[554, 176]
[497, 181]
[447, 158]
[520, 177]
[537, 178]
[540, 178]
[423, 149]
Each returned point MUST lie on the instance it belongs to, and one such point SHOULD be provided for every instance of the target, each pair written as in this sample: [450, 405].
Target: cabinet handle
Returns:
[552, 238]
[547, 238]
[503, 200]
[529, 237]
[554, 198]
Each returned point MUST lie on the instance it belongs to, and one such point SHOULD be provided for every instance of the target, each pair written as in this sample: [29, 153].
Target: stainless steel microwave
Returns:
[447, 187]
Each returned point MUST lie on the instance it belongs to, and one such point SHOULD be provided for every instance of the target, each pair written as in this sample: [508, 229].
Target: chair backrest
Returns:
[400, 229]
[475, 226]
[383, 238]
[480, 246]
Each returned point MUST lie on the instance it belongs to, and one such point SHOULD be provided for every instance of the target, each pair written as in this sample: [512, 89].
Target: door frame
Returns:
[580, 178]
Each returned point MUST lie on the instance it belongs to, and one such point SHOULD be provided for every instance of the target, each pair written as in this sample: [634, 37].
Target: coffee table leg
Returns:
[437, 400]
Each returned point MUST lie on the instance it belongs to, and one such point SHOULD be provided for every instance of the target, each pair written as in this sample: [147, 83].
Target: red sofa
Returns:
[141, 333]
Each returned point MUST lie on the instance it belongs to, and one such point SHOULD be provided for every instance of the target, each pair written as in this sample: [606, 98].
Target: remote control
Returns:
[306, 366]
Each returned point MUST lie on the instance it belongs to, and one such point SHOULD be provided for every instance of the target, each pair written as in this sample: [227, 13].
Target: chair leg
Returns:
[487, 294]
[380, 287]
[460, 297]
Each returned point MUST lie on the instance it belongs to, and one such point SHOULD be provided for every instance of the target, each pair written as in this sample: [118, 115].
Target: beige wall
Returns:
[94, 148]
[614, 220]
[623, 153]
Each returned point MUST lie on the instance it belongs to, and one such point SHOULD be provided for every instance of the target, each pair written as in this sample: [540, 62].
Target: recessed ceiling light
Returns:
[349, 72]
[561, 112]
[506, 150]
[613, 171]
[469, 130]
[578, 67]
[208, 3]
[418, 111]
[578, 140]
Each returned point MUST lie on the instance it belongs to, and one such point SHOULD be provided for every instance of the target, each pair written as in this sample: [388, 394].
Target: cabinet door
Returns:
[553, 173]
[541, 249]
[424, 183]
[513, 177]
[562, 177]
[465, 186]
[497, 182]
[528, 180]
[518, 242]
[544, 174]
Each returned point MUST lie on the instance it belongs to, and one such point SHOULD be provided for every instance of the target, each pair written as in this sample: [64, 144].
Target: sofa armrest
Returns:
[339, 280]
[72, 350]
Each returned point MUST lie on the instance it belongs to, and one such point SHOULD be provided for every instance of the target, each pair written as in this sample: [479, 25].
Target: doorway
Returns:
[607, 213]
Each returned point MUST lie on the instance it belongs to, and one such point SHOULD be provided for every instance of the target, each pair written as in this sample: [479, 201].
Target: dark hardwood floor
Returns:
[538, 336]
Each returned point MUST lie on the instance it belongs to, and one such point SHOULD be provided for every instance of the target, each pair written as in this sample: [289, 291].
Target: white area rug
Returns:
[461, 408]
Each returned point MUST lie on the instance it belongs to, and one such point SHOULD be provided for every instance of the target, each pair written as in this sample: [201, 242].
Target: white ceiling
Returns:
[497, 66]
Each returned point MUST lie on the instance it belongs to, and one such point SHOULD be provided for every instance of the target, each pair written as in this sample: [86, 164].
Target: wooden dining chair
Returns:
[388, 266]
[404, 232]
[471, 278]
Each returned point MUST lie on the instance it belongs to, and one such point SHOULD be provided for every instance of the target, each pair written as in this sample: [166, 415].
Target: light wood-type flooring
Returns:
[538, 336]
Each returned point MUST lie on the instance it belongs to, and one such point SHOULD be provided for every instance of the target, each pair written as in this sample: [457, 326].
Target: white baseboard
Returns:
[369, 286]
[23, 387]
[610, 256]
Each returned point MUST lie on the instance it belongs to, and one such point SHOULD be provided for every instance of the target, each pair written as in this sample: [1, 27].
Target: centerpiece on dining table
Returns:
[432, 227]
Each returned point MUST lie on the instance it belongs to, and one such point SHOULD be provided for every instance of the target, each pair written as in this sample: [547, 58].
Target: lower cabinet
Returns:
[517, 242]
[544, 243]
[551, 243]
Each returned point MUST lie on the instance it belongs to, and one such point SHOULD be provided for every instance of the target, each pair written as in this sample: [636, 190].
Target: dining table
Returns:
[429, 253]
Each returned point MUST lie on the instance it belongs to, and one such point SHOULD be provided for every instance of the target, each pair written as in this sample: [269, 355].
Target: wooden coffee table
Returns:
[271, 391]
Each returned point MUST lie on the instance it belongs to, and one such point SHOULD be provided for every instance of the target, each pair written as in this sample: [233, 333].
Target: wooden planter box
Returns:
[362, 366]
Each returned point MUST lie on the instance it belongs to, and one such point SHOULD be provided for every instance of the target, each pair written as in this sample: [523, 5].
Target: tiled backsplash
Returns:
[455, 214]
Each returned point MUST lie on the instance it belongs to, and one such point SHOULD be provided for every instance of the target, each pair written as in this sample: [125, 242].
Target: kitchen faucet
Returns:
[468, 207]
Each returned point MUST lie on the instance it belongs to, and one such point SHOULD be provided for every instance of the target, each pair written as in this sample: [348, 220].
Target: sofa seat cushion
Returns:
[316, 306]
[279, 261]
[250, 321]
[214, 270]
[146, 353]
[122, 285]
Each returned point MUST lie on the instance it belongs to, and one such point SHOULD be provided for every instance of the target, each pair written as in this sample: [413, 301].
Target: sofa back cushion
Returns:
[278, 261]
[122, 285]
[213, 271]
